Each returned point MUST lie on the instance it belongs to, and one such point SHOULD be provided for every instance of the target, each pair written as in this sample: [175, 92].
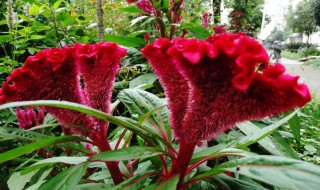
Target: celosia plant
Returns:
[212, 85]
[54, 74]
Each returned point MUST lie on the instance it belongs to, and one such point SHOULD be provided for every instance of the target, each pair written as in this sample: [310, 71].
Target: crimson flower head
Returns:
[146, 6]
[54, 74]
[219, 30]
[212, 85]
[205, 20]
[29, 117]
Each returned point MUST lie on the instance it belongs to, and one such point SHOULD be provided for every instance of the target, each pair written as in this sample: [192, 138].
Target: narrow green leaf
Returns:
[295, 127]
[134, 183]
[93, 186]
[3, 22]
[138, 19]
[9, 155]
[36, 37]
[132, 9]
[198, 32]
[125, 41]
[66, 180]
[129, 153]
[170, 184]
[269, 143]
[238, 184]
[257, 136]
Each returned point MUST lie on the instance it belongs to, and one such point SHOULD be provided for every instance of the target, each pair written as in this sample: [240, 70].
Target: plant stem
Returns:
[182, 162]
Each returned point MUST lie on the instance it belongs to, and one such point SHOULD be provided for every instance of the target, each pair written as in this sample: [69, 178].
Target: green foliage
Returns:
[311, 51]
[301, 19]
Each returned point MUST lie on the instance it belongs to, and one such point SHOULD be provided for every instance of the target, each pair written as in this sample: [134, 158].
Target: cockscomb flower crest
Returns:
[221, 81]
[54, 74]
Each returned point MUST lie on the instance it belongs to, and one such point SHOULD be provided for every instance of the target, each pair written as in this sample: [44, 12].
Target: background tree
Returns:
[276, 35]
[316, 11]
[246, 15]
[302, 19]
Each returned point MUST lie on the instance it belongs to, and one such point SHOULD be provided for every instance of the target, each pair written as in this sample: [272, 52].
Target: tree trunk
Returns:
[100, 20]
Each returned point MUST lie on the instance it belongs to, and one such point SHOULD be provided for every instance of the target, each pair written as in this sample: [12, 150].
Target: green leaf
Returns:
[35, 9]
[93, 186]
[18, 181]
[54, 160]
[140, 103]
[134, 183]
[169, 184]
[270, 144]
[138, 19]
[3, 22]
[295, 127]
[148, 78]
[125, 41]
[69, 21]
[257, 136]
[132, 9]
[5, 38]
[238, 184]
[57, 4]
[36, 37]
[279, 171]
[9, 155]
[129, 153]
[198, 32]
[66, 180]
[17, 133]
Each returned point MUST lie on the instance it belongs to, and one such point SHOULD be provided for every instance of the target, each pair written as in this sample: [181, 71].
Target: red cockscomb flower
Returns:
[29, 117]
[54, 74]
[205, 20]
[228, 81]
[146, 6]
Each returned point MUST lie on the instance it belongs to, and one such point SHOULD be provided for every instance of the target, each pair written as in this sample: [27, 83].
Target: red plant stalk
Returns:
[183, 159]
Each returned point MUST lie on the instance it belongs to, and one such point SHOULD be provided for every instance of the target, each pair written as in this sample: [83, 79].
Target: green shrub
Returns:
[311, 51]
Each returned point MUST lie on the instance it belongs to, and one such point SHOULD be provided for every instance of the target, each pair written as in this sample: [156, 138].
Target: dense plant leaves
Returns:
[148, 78]
[127, 123]
[170, 184]
[93, 186]
[18, 181]
[9, 155]
[272, 145]
[66, 180]
[140, 103]
[125, 41]
[17, 133]
[278, 171]
[129, 153]
[198, 32]
[239, 184]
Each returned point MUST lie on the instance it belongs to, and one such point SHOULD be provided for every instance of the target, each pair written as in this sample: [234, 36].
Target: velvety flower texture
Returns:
[29, 117]
[221, 81]
[54, 74]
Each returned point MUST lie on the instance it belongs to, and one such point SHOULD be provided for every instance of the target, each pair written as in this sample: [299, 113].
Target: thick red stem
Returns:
[104, 145]
[182, 162]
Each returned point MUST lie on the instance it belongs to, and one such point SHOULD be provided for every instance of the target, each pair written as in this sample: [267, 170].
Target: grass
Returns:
[314, 62]
[291, 55]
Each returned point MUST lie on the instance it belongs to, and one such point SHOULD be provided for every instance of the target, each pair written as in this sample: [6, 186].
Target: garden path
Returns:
[308, 74]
